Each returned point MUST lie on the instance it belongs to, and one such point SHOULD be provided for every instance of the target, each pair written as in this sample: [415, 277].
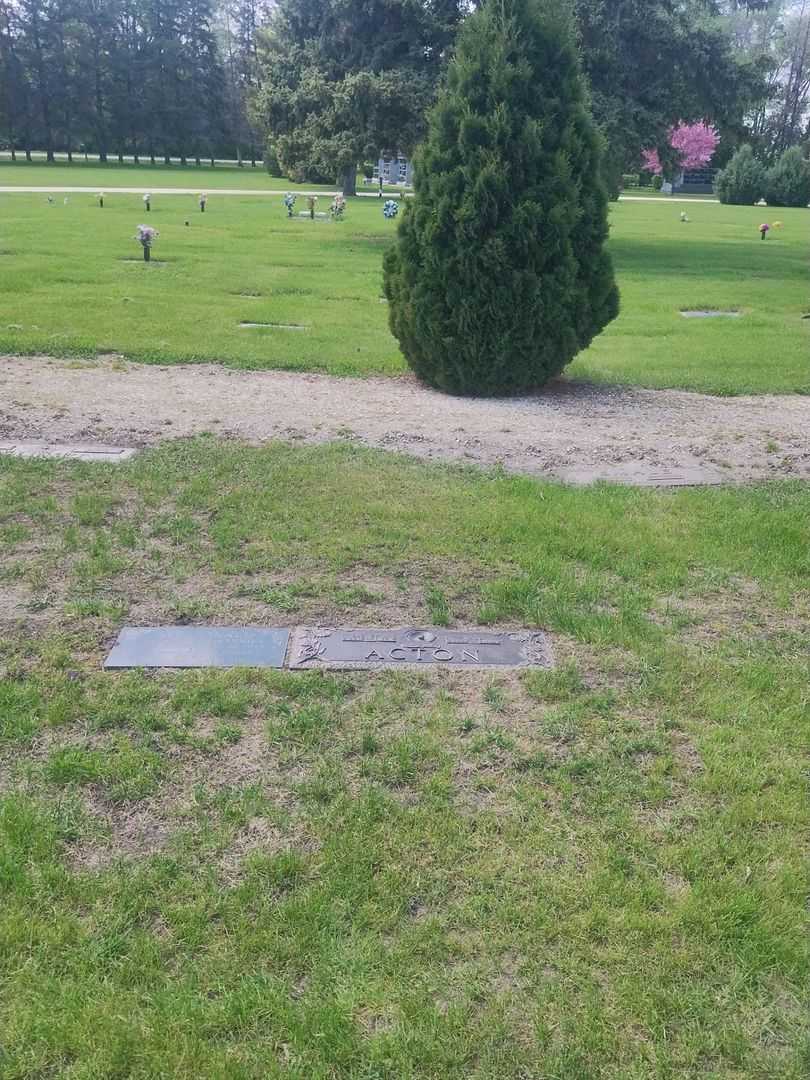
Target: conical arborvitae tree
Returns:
[499, 275]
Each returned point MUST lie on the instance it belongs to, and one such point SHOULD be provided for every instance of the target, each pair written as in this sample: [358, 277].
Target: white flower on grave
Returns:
[147, 198]
[66, 200]
[146, 235]
[50, 200]
[390, 208]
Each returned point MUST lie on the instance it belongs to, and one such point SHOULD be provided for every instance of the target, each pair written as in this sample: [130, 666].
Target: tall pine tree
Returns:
[499, 275]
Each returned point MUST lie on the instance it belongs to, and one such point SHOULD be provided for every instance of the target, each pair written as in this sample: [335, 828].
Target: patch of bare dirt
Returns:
[126, 831]
[260, 836]
[148, 826]
[740, 611]
[567, 426]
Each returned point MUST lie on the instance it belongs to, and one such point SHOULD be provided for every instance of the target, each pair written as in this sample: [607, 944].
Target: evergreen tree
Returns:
[499, 275]
[742, 181]
[98, 19]
[15, 89]
[241, 23]
[788, 179]
[37, 48]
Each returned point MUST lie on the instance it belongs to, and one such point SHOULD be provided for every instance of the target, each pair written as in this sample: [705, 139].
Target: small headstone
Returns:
[198, 646]
[710, 314]
[376, 647]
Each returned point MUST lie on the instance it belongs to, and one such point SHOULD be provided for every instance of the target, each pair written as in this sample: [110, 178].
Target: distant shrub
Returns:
[742, 182]
[788, 181]
[271, 162]
[658, 182]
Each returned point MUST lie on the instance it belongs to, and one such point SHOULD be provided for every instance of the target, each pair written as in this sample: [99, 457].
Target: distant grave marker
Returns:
[273, 325]
[707, 314]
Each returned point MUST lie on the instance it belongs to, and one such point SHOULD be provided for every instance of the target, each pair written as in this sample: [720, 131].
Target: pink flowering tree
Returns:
[693, 146]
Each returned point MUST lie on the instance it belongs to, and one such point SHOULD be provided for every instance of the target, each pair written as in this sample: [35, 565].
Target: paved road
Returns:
[108, 190]
[58, 189]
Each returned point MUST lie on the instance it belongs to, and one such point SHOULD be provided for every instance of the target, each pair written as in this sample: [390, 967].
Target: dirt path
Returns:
[570, 430]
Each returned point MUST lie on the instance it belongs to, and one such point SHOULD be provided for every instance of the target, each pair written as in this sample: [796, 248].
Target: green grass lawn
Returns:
[125, 174]
[594, 872]
[72, 282]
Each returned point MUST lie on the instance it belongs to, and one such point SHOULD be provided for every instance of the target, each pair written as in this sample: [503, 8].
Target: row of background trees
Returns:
[322, 85]
[152, 78]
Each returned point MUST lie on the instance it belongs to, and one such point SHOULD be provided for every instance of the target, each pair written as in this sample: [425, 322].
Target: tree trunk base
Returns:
[350, 181]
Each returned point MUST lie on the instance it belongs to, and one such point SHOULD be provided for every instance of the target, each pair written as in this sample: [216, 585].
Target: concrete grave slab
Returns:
[636, 474]
[71, 451]
[412, 647]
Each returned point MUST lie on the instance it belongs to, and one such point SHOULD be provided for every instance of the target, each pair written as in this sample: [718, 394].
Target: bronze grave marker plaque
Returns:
[376, 647]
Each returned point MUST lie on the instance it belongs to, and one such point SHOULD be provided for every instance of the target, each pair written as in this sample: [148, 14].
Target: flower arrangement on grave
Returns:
[312, 202]
[203, 200]
[100, 198]
[146, 236]
[147, 201]
[338, 208]
[289, 202]
[390, 208]
[50, 200]
[764, 229]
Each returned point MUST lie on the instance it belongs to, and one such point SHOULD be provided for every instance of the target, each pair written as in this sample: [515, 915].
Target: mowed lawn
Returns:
[72, 282]
[126, 174]
[599, 871]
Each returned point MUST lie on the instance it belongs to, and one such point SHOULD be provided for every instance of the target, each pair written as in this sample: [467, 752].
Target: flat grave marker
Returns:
[273, 325]
[71, 451]
[378, 647]
[639, 474]
[198, 646]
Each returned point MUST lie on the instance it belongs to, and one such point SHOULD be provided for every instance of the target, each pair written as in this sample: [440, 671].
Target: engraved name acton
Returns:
[343, 647]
